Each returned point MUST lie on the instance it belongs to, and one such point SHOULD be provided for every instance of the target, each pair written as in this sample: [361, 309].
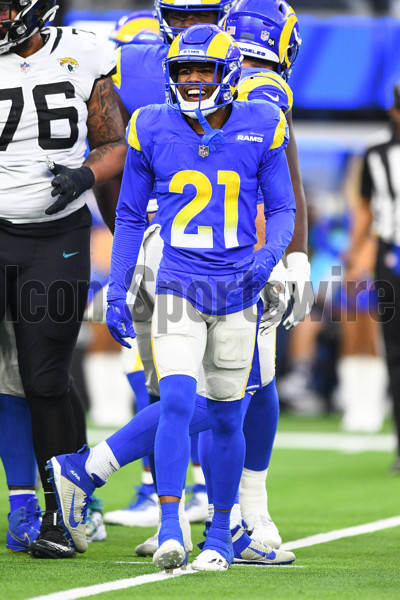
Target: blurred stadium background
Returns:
[342, 84]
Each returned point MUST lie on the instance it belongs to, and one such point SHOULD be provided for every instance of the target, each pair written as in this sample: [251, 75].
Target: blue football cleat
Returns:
[23, 526]
[73, 488]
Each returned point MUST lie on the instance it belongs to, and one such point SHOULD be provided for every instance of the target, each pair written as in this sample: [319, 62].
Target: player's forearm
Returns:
[107, 198]
[279, 231]
[300, 235]
[128, 237]
[107, 160]
[299, 241]
[106, 133]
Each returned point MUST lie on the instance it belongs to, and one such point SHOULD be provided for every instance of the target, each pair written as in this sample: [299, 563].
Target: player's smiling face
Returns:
[198, 81]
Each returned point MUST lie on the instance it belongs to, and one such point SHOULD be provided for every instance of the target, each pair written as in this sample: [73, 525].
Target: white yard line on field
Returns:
[341, 442]
[112, 586]
[338, 534]
[122, 584]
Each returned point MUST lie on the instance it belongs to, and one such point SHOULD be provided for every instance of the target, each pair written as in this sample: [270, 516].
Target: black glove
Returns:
[68, 184]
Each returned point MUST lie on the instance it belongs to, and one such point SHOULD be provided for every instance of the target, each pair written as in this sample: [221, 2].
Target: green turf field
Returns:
[311, 492]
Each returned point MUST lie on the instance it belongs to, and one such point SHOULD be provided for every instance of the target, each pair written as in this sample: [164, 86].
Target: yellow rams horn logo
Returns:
[70, 64]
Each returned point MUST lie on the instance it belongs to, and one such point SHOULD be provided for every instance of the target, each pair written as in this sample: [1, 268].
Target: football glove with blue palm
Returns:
[119, 321]
[257, 270]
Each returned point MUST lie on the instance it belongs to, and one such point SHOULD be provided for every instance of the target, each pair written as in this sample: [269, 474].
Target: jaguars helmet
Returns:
[221, 7]
[204, 43]
[32, 17]
[137, 27]
[266, 30]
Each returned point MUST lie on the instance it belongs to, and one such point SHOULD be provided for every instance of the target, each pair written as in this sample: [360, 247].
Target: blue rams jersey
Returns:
[207, 205]
[264, 84]
[139, 79]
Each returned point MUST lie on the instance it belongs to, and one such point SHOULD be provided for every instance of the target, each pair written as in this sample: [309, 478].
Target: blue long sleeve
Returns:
[130, 223]
[279, 204]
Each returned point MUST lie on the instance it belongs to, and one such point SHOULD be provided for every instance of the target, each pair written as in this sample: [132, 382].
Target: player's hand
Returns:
[68, 185]
[275, 296]
[256, 271]
[300, 289]
[119, 321]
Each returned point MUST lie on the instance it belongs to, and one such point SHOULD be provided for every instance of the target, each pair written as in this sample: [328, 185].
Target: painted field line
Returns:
[136, 562]
[112, 586]
[340, 442]
[338, 534]
[121, 584]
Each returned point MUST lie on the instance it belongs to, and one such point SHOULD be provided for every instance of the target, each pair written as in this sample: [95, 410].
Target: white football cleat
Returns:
[263, 529]
[149, 546]
[143, 512]
[197, 508]
[210, 560]
[170, 555]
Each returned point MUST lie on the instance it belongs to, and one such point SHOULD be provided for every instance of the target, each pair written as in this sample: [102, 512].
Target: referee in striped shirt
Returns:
[379, 214]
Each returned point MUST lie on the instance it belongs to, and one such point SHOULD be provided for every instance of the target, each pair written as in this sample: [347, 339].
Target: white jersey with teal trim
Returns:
[43, 113]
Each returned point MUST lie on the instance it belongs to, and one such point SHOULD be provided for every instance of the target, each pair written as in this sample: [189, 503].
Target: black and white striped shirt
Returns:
[380, 184]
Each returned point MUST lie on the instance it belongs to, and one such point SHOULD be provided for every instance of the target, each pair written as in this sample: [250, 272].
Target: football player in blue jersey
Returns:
[140, 81]
[268, 36]
[268, 60]
[208, 273]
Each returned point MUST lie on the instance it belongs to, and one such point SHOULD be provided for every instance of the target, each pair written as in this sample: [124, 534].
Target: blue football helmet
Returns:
[221, 7]
[203, 44]
[32, 17]
[266, 30]
[137, 27]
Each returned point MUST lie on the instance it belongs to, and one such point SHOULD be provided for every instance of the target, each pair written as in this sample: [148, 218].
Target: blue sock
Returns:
[136, 438]
[229, 446]
[260, 425]
[205, 439]
[219, 535]
[172, 443]
[194, 449]
[137, 381]
[16, 446]
[170, 528]
[18, 500]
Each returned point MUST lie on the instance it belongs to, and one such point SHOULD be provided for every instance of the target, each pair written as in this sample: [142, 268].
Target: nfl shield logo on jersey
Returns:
[25, 67]
[204, 151]
[264, 35]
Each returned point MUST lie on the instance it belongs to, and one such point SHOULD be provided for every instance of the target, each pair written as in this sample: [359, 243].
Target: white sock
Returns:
[101, 461]
[253, 494]
[236, 516]
[198, 475]
[21, 492]
[147, 478]
[210, 512]
[181, 509]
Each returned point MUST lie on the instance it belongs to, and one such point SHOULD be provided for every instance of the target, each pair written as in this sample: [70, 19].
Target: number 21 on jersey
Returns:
[204, 238]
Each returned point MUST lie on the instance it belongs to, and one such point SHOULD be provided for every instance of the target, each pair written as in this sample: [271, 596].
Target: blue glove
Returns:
[68, 185]
[258, 268]
[119, 321]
